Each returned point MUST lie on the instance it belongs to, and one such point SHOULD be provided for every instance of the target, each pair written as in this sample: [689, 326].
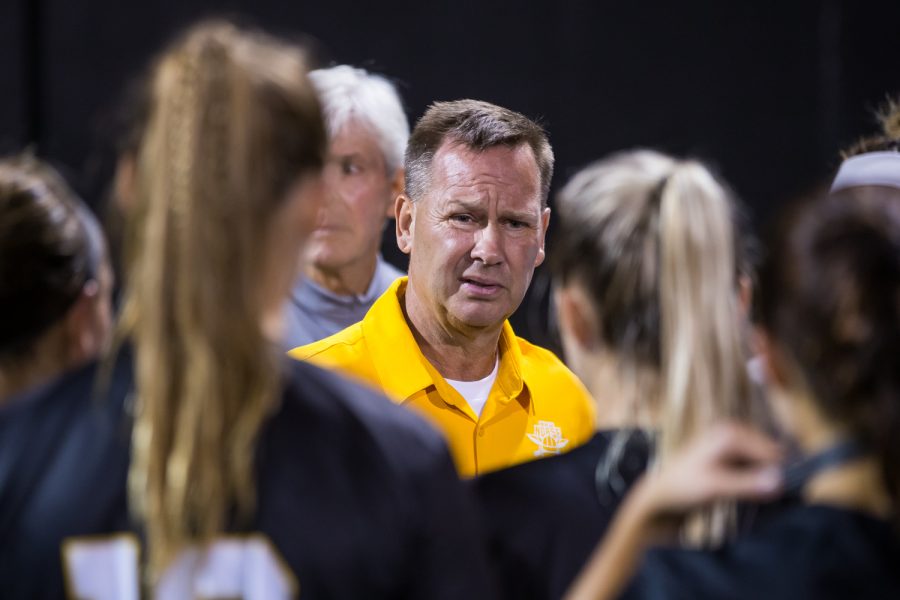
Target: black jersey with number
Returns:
[358, 497]
[543, 519]
[64, 452]
[811, 551]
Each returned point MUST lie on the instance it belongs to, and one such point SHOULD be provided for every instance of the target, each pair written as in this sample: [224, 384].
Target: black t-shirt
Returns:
[543, 519]
[64, 453]
[358, 497]
[811, 551]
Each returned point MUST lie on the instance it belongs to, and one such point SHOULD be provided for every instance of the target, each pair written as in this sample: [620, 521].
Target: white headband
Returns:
[871, 168]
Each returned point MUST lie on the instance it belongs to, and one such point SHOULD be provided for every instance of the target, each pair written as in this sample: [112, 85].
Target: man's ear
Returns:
[545, 222]
[398, 186]
[405, 216]
[81, 335]
[577, 320]
[775, 369]
[745, 295]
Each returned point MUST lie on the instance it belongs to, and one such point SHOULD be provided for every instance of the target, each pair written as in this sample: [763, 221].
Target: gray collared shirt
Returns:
[313, 313]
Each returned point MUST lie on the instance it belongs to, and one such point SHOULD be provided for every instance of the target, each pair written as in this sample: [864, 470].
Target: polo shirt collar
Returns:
[509, 375]
[391, 343]
[393, 348]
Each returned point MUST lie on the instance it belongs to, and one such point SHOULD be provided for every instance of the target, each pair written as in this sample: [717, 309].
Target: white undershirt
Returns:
[476, 392]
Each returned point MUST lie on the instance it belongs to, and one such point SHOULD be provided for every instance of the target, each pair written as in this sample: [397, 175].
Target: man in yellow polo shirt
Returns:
[473, 220]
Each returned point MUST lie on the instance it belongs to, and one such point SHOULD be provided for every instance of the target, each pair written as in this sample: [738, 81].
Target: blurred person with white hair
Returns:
[343, 270]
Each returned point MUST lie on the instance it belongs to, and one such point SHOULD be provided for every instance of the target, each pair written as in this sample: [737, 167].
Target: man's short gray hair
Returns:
[351, 95]
[477, 125]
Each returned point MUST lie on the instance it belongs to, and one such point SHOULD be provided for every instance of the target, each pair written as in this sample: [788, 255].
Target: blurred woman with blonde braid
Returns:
[251, 473]
[652, 270]
[830, 333]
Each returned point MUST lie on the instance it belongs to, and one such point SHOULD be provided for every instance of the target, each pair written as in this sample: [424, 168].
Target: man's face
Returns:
[476, 236]
[359, 195]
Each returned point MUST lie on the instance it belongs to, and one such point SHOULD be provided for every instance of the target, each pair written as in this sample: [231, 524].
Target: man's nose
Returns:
[331, 186]
[488, 245]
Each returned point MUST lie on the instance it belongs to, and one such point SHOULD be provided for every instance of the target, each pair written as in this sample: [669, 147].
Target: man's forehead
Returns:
[458, 163]
[354, 136]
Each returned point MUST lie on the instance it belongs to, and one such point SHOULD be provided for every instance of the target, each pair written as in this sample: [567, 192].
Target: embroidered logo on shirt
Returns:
[548, 438]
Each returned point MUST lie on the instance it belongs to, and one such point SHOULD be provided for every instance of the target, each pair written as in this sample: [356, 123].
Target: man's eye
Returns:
[348, 167]
[462, 218]
[516, 224]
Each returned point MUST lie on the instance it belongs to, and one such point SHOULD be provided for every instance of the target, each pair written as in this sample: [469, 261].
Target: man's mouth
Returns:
[478, 286]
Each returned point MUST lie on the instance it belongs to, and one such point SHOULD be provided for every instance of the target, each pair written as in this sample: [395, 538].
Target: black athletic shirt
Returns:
[543, 519]
[811, 551]
[358, 496]
[64, 456]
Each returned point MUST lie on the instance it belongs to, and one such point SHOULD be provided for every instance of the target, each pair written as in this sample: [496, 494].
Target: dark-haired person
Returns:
[830, 319]
[251, 475]
[473, 220]
[62, 460]
[648, 261]
[55, 278]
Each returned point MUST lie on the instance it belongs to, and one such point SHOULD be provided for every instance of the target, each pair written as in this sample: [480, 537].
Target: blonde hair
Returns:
[233, 124]
[888, 117]
[654, 242]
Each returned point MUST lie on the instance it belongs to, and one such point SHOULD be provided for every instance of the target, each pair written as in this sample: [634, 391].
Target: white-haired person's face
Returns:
[359, 196]
[290, 230]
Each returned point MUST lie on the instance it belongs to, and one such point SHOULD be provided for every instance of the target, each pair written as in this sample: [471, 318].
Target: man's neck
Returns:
[630, 397]
[460, 355]
[353, 279]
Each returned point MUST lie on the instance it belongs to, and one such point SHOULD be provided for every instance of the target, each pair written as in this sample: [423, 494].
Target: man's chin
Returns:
[323, 253]
[328, 237]
[323, 262]
[480, 318]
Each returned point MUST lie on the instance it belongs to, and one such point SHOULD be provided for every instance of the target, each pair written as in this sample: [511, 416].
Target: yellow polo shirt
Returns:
[536, 407]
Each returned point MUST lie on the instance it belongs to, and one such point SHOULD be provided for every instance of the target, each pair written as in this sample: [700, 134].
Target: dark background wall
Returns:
[766, 91]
